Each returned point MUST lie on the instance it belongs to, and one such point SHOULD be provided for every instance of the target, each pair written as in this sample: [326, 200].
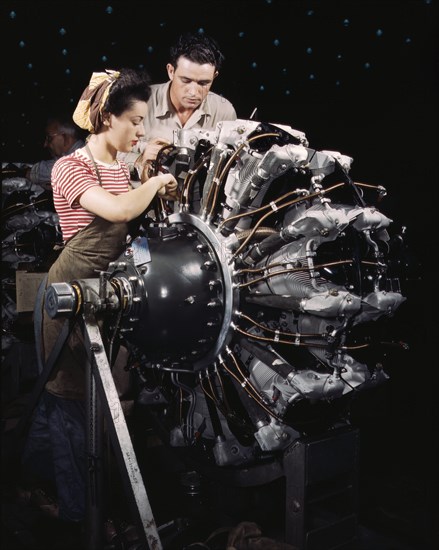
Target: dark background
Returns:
[359, 77]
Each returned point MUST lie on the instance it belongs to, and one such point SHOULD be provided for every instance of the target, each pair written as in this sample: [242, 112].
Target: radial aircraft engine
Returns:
[243, 303]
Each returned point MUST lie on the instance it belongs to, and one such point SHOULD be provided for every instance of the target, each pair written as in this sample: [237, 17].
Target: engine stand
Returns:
[321, 476]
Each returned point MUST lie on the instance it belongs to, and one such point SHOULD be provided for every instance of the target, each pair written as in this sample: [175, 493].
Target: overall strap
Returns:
[87, 148]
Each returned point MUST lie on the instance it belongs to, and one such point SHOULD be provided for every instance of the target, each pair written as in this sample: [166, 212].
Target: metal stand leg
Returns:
[321, 491]
[119, 435]
[95, 492]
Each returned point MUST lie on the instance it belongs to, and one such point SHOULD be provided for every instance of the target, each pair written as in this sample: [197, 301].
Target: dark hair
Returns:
[132, 85]
[198, 48]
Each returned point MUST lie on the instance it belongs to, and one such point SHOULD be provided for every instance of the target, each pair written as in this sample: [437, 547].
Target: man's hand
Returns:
[151, 150]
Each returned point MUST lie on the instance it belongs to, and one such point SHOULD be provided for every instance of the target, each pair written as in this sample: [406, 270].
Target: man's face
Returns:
[191, 83]
[55, 140]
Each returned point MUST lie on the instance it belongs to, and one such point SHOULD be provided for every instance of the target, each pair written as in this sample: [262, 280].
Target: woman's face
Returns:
[126, 130]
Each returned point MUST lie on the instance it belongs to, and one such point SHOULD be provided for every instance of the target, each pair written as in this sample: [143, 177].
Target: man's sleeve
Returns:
[41, 172]
[226, 110]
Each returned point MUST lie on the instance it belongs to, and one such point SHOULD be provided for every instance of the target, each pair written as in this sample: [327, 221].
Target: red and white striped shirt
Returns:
[71, 176]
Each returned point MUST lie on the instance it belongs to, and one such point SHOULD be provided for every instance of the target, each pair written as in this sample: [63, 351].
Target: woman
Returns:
[94, 200]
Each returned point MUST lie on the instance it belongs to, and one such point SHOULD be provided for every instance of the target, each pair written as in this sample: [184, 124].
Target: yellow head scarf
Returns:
[88, 112]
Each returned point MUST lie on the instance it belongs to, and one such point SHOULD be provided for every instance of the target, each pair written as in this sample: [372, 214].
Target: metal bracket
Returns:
[118, 430]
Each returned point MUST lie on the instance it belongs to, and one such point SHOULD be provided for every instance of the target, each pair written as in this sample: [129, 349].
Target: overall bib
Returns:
[84, 256]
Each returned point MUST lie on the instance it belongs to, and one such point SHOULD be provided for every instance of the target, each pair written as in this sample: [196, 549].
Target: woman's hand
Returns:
[167, 186]
[149, 155]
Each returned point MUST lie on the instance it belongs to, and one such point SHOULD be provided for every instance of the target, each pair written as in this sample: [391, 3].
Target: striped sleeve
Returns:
[71, 177]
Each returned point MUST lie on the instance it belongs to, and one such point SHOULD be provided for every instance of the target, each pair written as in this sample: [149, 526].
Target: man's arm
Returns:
[40, 173]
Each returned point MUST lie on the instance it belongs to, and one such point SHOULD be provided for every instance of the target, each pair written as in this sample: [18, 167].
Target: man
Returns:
[62, 138]
[185, 100]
